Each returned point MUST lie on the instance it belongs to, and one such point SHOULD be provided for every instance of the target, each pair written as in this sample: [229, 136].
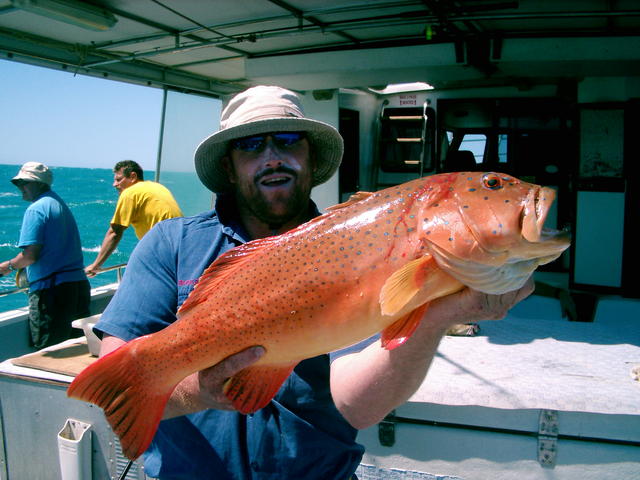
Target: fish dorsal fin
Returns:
[404, 283]
[222, 268]
[355, 198]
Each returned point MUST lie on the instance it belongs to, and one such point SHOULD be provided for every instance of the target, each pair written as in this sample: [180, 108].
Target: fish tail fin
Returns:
[129, 394]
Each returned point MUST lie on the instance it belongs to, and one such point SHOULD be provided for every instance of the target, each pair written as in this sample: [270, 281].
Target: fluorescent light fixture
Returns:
[403, 87]
[70, 11]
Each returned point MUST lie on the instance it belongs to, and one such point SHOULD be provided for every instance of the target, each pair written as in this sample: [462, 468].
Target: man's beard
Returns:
[284, 209]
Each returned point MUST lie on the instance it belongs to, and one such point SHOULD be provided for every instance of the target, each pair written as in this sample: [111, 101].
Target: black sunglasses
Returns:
[257, 143]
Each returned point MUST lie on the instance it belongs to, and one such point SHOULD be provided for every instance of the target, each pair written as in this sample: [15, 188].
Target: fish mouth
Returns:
[542, 241]
[534, 214]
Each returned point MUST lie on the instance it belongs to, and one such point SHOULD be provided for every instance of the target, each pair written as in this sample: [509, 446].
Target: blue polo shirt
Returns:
[299, 434]
[49, 222]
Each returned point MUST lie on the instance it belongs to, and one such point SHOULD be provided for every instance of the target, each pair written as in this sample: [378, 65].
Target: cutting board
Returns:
[69, 359]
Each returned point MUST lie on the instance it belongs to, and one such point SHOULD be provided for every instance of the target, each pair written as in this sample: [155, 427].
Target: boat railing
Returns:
[23, 286]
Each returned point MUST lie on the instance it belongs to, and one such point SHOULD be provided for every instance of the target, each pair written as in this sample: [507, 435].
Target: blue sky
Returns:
[70, 120]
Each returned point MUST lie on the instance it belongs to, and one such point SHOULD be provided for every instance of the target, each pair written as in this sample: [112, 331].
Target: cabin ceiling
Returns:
[218, 47]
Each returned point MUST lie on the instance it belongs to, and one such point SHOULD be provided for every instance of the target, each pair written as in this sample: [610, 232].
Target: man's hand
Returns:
[213, 379]
[469, 305]
[92, 270]
[484, 306]
[4, 269]
[205, 389]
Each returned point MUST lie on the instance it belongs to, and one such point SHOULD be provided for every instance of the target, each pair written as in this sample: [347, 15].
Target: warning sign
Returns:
[408, 100]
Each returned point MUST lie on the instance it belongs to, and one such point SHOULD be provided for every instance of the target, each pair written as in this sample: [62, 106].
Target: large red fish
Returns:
[368, 265]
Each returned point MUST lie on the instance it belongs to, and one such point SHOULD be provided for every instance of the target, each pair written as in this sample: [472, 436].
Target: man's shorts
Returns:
[51, 311]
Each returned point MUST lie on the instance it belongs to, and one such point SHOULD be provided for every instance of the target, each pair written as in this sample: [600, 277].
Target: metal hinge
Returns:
[548, 438]
[387, 430]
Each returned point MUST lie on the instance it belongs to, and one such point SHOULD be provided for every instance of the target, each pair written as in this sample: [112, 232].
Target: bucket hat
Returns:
[259, 110]
[34, 172]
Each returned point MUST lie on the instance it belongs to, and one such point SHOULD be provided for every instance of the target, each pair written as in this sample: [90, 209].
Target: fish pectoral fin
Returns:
[404, 283]
[399, 332]
[253, 388]
[355, 198]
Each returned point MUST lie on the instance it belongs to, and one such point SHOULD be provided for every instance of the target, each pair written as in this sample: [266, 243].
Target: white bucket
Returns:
[74, 449]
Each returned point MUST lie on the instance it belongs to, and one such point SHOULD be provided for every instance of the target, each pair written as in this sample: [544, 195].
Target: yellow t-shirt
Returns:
[143, 205]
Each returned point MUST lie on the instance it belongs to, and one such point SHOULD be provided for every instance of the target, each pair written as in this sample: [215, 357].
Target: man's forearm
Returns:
[367, 385]
[109, 244]
[25, 258]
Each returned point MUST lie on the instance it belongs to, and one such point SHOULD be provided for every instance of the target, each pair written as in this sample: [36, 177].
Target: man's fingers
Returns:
[91, 272]
[526, 290]
[236, 362]
[501, 304]
[212, 379]
[233, 364]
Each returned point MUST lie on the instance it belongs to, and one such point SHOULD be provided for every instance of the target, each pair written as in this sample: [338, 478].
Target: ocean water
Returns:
[92, 200]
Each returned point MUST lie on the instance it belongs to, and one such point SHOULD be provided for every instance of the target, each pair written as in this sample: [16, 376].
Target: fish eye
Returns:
[492, 181]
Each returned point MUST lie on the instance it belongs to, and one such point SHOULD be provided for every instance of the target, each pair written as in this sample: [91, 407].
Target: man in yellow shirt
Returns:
[141, 204]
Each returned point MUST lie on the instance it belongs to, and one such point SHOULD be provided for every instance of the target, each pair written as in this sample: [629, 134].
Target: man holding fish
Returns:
[242, 378]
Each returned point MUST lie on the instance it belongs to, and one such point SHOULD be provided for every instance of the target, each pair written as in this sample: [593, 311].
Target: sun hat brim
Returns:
[325, 141]
[33, 172]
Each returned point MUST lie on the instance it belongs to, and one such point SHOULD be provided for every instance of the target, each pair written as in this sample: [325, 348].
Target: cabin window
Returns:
[465, 151]
[476, 143]
[502, 148]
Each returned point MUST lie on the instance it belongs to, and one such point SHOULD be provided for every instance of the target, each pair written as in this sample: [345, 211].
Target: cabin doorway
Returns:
[349, 128]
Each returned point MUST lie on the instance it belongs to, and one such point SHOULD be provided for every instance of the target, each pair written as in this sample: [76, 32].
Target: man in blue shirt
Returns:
[59, 291]
[262, 165]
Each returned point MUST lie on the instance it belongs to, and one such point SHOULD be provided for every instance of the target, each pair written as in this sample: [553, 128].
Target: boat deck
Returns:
[533, 396]
[536, 359]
